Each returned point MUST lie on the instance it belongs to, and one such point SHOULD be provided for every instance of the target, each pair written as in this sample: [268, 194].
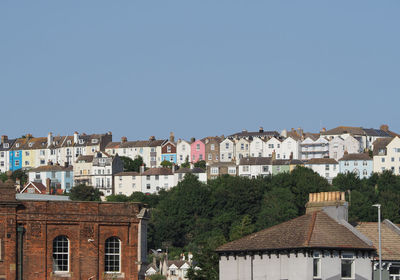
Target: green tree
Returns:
[200, 164]
[3, 177]
[117, 198]
[186, 164]
[166, 163]
[241, 227]
[85, 193]
[132, 164]
[156, 277]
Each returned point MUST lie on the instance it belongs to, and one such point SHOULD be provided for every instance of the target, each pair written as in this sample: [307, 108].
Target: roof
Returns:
[313, 230]
[39, 186]
[85, 158]
[188, 170]
[322, 161]
[113, 145]
[246, 133]
[158, 171]
[255, 161]
[358, 156]
[177, 263]
[376, 132]
[380, 143]
[389, 234]
[344, 130]
[10, 143]
[141, 143]
[51, 168]
[128, 173]
[44, 197]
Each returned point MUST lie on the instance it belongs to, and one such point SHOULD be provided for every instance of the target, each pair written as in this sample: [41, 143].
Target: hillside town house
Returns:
[359, 164]
[197, 150]
[128, 182]
[318, 245]
[211, 147]
[221, 168]
[338, 146]
[5, 147]
[183, 152]
[314, 147]
[387, 155]
[327, 168]
[104, 167]
[53, 176]
[227, 150]
[168, 150]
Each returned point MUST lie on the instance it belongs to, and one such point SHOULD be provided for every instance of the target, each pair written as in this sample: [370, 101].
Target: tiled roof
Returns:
[177, 263]
[113, 145]
[389, 236]
[322, 161]
[313, 230]
[363, 156]
[188, 170]
[42, 188]
[376, 132]
[344, 130]
[158, 171]
[380, 143]
[142, 143]
[254, 134]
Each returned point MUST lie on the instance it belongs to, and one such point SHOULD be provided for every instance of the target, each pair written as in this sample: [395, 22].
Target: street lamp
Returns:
[379, 232]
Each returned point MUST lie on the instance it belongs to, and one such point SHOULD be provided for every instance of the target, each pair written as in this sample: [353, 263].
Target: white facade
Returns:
[293, 266]
[339, 145]
[182, 151]
[318, 148]
[127, 182]
[328, 169]
[153, 183]
[257, 147]
[273, 145]
[290, 147]
[242, 149]
[227, 150]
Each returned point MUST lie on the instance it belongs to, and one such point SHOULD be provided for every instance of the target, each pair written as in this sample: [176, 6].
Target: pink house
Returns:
[198, 151]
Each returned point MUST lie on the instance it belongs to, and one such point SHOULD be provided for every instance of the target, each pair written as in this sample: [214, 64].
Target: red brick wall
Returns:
[79, 221]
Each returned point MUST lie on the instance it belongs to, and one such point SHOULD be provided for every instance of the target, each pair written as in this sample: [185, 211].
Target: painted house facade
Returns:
[313, 147]
[359, 164]
[183, 151]
[155, 179]
[128, 182]
[325, 167]
[198, 151]
[55, 176]
[5, 149]
[227, 150]
[221, 168]
[168, 150]
[387, 155]
[104, 167]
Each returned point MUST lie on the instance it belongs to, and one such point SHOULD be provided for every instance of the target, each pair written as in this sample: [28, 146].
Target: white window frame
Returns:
[317, 257]
[347, 258]
[112, 254]
[62, 253]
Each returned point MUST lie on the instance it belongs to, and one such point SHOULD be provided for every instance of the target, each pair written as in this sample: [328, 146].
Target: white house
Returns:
[387, 155]
[242, 149]
[182, 151]
[290, 148]
[179, 174]
[273, 145]
[257, 147]
[338, 146]
[227, 150]
[313, 147]
[318, 245]
[255, 166]
[127, 182]
[55, 176]
[325, 167]
[155, 179]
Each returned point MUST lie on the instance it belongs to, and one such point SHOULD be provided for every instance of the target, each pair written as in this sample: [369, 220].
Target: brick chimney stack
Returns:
[333, 203]
[48, 188]
[172, 137]
[384, 127]
[124, 139]
[4, 138]
[261, 130]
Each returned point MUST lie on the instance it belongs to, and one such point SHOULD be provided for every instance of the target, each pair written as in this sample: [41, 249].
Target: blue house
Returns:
[360, 164]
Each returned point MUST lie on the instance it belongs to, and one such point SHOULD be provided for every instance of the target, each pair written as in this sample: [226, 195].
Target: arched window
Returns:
[61, 254]
[113, 255]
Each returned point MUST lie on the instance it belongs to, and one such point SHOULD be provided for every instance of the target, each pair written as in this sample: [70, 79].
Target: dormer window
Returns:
[30, 144]
[69, 142]
[17, 145]
[95, 141]
[81, 141]
[6, 145]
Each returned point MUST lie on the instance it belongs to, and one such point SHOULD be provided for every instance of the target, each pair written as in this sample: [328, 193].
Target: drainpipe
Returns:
[20, 232]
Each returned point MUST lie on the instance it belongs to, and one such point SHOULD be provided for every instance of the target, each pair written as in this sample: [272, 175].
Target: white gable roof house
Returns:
[318, 245]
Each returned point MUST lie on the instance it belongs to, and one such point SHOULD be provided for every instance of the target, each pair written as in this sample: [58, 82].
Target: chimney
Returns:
[152, 138]
[332, 203]
[192, 139]
[4, 138]
[48, 188]
[66, 164]
[141, 168]
[171, 137]
[284, 133]
[28, 136]
[261, 130]
[323, 129]
[124, 139]
[49, 139]
[75, 137]
[7, 191]
[291, 156]
[274, 155]
[384, 127]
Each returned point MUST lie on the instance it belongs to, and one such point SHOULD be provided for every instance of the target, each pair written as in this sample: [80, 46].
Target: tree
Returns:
[117, 198]
[85, 193]
[166, 163]
[241, 227]
[156, 277]
[3, 177]
[20, 175]
[186, 164]
[201, 164]
[132, 164]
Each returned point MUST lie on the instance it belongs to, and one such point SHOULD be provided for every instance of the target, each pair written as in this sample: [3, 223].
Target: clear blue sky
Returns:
[198, 68]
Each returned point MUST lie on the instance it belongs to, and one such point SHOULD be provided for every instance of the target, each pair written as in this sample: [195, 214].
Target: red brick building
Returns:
[45, 239]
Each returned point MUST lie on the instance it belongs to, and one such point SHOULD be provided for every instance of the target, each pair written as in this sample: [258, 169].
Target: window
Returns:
[168, 149]
[242, 146]
[226, 145]
[356, 163]
[212, 147]
[148, 177]
[317, 265]
[365, 172]
[232, 170]
[200, 157]
[209, 156]
[364, 162]
[214, 170]
[197, 147]
[27, 153]
[157, 177]
[392, 159]
[271, 146]
[148, 186]
[229, 155]
[383, 159]
[394, 272]
[278, 145]
[61, 254]
[112, 255]
[67, 186]
[2, 154]
[245, 168]
[42, 161]
[327, 167]
[16, 154]
[265, 168]
[26, 162]
[6, 145]
[68, 174]
[347, 265]
[17, 163]
[37, 175]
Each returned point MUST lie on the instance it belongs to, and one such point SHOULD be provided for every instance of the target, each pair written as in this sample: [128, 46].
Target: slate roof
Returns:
[88, 158]
[128, 173]
[322, 161]
[254, 134]
[390, 238]
[376, 132]
[344, 130]
[113, 145]
[10, 144]
[51, 168]
[313, 230]
[358, 156]
[42, 197]
[158, 171]
[177, 263]
[188, 170]
[142, 143]
[255, 161]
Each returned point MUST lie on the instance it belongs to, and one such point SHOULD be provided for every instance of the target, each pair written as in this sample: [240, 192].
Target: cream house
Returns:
[387, 155]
